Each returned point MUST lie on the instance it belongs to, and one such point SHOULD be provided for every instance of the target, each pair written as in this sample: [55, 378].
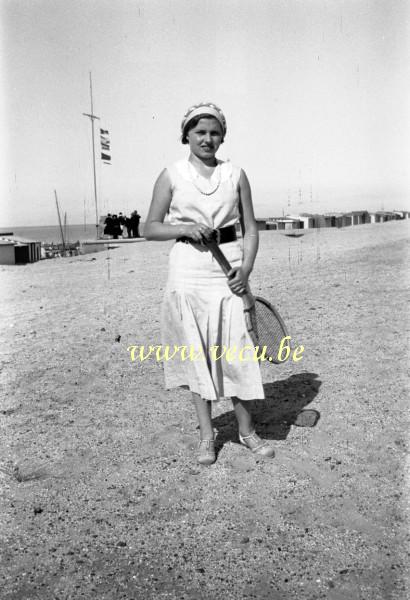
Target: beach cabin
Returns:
[336, 219]
[7, 254]
[330, 220]
[261, 223]
[310, 221]
[306, 220]
[382, 216]
[15, 251]
[284, 223]
[401, 214]
[359, 217]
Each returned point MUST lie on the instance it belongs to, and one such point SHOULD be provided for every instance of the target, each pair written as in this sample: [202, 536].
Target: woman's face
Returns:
[205, 138]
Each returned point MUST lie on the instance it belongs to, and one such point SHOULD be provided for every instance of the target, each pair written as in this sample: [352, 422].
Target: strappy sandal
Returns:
[206, 455]
[257, 445]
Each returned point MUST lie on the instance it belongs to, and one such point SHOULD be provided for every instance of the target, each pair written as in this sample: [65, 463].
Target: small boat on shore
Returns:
[294, 234]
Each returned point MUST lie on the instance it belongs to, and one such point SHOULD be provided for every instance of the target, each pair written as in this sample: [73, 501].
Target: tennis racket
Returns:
[263, 322]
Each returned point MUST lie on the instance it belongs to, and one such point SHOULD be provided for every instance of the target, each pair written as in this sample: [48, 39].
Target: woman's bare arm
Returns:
[155, 228]
[249, 226]
[238, 277]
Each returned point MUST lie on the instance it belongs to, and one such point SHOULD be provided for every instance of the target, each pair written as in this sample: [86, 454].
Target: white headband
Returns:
[205, 108]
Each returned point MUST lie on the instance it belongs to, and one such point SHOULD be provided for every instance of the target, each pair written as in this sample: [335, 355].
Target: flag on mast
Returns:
[105, 146]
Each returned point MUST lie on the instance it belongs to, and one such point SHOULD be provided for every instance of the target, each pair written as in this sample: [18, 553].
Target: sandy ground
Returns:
[102, 497]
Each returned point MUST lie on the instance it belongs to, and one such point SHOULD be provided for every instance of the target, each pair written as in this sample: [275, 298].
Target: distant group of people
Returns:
[116, 225]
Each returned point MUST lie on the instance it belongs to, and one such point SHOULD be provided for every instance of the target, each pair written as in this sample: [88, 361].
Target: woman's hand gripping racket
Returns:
[263, 322]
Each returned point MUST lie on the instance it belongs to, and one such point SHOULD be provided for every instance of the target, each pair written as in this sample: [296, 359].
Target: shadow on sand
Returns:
[283, 407]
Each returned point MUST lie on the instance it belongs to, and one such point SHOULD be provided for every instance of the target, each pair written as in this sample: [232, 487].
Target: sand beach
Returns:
[101, 493]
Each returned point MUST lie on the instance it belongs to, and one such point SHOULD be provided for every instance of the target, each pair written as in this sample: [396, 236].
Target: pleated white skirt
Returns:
[200, 313]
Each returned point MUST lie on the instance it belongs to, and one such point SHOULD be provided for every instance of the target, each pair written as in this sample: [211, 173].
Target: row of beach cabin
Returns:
[314, 221]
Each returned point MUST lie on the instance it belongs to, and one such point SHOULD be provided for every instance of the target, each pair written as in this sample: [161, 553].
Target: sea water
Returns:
[51, 233]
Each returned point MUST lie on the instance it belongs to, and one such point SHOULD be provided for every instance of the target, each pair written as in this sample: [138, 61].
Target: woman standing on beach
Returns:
[201, 308]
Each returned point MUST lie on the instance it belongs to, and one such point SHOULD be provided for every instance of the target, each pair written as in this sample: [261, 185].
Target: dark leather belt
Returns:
[221, 236]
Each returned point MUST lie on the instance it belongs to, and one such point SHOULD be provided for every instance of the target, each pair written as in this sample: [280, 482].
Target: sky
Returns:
[315, 94]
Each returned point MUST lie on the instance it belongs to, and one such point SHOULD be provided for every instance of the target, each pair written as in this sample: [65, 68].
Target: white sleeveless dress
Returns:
[199, 310]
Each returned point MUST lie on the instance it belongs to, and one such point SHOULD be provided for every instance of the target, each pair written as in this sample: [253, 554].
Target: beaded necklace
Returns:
[195, 175]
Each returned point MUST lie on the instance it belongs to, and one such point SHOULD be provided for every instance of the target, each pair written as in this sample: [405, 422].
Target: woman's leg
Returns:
[247, 434]
[204, 413]
[207, 455]
[243, 415]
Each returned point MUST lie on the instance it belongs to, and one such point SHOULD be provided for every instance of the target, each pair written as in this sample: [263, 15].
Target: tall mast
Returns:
[92, 117]
[59, 221]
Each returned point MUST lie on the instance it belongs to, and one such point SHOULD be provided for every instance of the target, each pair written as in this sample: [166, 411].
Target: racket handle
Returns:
[218, 255]
[251, 325]
[247, 298]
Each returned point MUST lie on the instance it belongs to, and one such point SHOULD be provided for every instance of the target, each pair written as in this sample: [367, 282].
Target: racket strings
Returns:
[270, 330]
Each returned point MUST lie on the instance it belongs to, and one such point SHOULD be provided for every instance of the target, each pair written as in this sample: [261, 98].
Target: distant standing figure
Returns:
[116, 227]
[108, 225]
[135, 222]
[122, 219]
[128, 225]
